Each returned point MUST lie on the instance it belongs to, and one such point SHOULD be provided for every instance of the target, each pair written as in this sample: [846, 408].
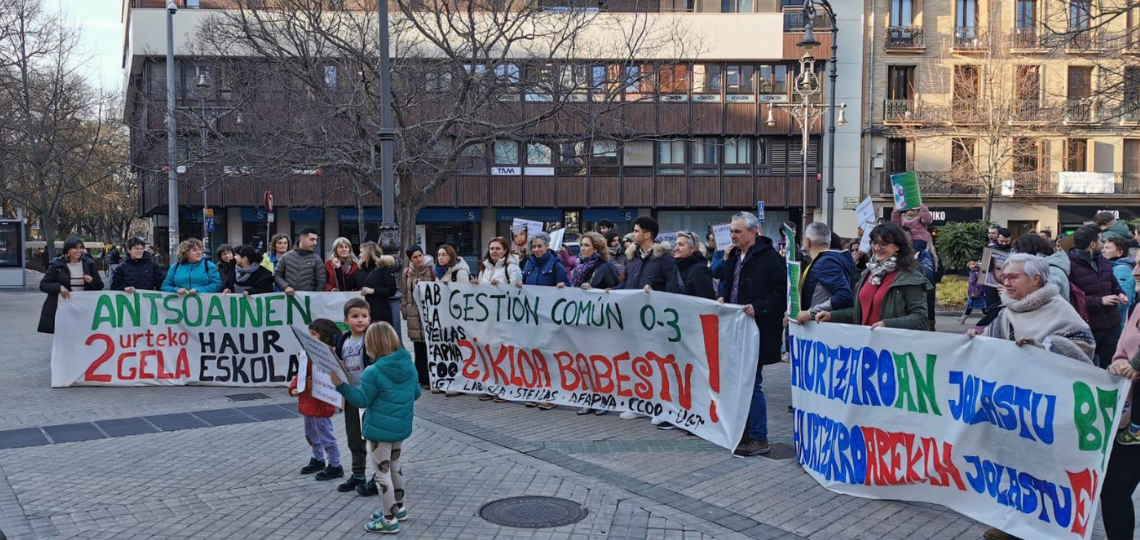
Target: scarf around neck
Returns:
[585, 269]
[879, 270]
[440, 270]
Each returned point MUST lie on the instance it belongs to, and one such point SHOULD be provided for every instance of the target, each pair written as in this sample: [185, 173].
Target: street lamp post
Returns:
[831, 128]
[203, 88]
[171, 134]
[389, 239]
[806, 112]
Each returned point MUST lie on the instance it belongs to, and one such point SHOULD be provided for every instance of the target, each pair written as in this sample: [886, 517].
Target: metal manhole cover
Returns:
[780, 451]
[247, 397]
[533, 512]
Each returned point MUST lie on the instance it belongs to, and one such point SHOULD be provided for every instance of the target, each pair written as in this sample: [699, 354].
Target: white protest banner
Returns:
[530, 226]
[723, 236]
[157, 338]
[1085, 182]
[324, 362]
[681, 359]
[865, 212]
[1012, 436]
[556, 239]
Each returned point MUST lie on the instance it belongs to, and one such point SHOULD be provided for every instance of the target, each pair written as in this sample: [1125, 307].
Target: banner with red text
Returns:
[114, 338]
[1013, 436]
[684, 360]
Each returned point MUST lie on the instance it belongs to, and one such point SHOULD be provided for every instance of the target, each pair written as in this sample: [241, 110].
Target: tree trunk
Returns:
[47, 228]
[406, 220]
[358, 197]
[988, 210]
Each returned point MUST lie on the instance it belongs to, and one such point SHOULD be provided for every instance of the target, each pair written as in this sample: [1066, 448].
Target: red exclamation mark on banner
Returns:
[710, 326]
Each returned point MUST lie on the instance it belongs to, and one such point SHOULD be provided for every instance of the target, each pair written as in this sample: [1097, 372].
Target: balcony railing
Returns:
[1081, 110]
[900, 111]
[1030, 183]
[1022, 183]
[966, 111]
[970, 38]
[1026, 38]
[1030, 110]
[936, 183]
[1083, 39]
[905, 37]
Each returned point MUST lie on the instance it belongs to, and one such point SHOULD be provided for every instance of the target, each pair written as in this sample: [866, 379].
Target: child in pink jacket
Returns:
[915, 220]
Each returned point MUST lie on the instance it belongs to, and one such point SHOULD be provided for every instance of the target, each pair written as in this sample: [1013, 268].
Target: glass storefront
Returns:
[254, 228]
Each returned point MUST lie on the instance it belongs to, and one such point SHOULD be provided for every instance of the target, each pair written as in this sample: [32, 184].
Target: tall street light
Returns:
[389, 231]
[171, 134]
[806, 112]
[809, 10]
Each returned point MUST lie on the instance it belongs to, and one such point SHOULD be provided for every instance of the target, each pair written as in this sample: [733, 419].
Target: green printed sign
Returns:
[793, 288]
[905, 189]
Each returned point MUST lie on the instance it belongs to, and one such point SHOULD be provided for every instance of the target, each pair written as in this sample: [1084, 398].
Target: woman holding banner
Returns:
[543, 268]
[72, 271]
[696, 278]
[892, 290]
[340, 266]
[138, 271]
[192, 273]
[594, 270]
[249, 276]
[500, 267]
[376, 281]
[417, 271]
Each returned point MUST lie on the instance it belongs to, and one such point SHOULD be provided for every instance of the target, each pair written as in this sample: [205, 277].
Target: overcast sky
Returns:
[102, 40]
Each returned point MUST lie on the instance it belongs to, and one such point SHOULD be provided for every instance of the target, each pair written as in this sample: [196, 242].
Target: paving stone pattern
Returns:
[91, 463]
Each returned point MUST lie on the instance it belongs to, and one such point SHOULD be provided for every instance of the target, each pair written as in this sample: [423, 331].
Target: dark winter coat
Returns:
[142, 273]
[696, 278]
[605, 276]
[58, 276]
[903, 307]
[381, 278]
[228, 272]
[1096, 283]
[301, 269]
[655, 268]
[547, 270]
[764, 286]
[260, 282]
[829, 275]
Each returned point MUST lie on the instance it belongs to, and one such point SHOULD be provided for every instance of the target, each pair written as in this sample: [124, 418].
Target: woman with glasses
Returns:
[892, 290]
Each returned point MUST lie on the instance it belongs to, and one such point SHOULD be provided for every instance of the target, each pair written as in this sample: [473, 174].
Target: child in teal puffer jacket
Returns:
[387, 394]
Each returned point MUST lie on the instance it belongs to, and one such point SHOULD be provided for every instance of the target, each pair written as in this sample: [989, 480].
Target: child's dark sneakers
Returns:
[367, 489]
[313, 466]
[351, 483]
[330, 472]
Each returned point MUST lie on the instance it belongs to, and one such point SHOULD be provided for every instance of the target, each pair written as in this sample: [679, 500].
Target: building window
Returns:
[962, 154]
[1076, 155]
[473, 160]
[897, 155]
[966, 16]
[736, 6]
[438, 80]
[902, 12]
[707, 79]
[330, 77]
[669, 155]
[603, 158]
[1025, 14]
[1080, 14]
[1026, 155]
[572, 159]
[762, 153]
[738, 151]
[674, 79]
[900, 82]
[506, 153]
[704, 153]
[739, 79]
[539, 79]
[192, 4]
[1131, 102]
[539, 154]
[774, 79]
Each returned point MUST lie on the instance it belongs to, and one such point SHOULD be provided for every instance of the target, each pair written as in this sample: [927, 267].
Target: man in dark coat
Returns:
[756, 277]
[826, 284]
[650, 265]
[1092, 274]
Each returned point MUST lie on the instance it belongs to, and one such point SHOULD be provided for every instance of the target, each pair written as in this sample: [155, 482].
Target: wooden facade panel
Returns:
[506, 191]
[444, 195]
[240, 191]
[739, 191]
[637, 191]
[640, 117]
[673, 117]
[704, 191]
[572, 191]
[708, 118]
[605, 191]
[672, 191]
[472, 191]
[740, 118]
[773, 190]
[307, 191]
[538, 191]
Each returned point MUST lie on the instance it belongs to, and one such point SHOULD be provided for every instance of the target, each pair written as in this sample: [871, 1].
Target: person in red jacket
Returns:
[340, 266]
[318, 414]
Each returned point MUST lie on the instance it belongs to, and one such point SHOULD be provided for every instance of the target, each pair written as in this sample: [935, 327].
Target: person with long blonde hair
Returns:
[387, 393]
[340, 266]
[376, 281]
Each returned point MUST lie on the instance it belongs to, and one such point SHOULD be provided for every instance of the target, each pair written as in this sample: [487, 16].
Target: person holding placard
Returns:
[756, 278]
[387, 392]
[594, 270]
[915, 221]
[892, 291]
[318, 414]
[418, 270]
[139, 271]
[450, 267]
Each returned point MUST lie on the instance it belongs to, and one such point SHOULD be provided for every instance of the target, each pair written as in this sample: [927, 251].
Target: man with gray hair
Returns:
[755, 277]
[826, 282]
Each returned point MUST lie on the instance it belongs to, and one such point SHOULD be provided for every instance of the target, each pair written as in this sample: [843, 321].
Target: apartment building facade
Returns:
[1036, 99]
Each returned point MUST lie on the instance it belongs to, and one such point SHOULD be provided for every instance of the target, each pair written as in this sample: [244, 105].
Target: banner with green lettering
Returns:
[155, 338]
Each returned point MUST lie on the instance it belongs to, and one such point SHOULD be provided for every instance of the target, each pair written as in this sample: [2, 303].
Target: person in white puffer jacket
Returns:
[499, 267]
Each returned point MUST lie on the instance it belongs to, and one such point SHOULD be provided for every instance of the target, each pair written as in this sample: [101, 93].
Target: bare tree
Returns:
[464, 74]
[54, 124]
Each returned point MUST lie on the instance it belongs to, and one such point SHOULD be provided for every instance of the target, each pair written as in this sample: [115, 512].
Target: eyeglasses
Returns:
[881, 244]
[1010, 276]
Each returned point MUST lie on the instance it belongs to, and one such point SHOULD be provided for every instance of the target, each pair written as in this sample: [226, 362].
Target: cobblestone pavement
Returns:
[240, 480]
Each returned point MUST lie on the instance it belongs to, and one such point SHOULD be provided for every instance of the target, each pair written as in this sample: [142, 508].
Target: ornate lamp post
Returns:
[389, 230]
[807, 112]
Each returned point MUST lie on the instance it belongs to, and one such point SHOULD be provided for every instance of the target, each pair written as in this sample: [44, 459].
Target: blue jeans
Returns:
[757, 425]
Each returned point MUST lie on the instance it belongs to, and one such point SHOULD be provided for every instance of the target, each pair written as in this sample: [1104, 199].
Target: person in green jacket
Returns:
[1111, 227]
[892, 290]
[387, 394]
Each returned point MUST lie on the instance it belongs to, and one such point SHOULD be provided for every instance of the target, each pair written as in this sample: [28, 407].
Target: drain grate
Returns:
[533, 512]
[247, 397]
[780, 452]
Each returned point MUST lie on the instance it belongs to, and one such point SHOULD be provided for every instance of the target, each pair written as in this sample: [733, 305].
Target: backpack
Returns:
[1079, 302]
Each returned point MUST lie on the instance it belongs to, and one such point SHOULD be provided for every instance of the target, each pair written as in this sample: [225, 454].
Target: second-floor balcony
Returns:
[1081, 111]
[1019, 184]
[903, 38]
[970, 39]
[901, 111]
[1030, 110]
[1027, 39]
[1081, 40]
